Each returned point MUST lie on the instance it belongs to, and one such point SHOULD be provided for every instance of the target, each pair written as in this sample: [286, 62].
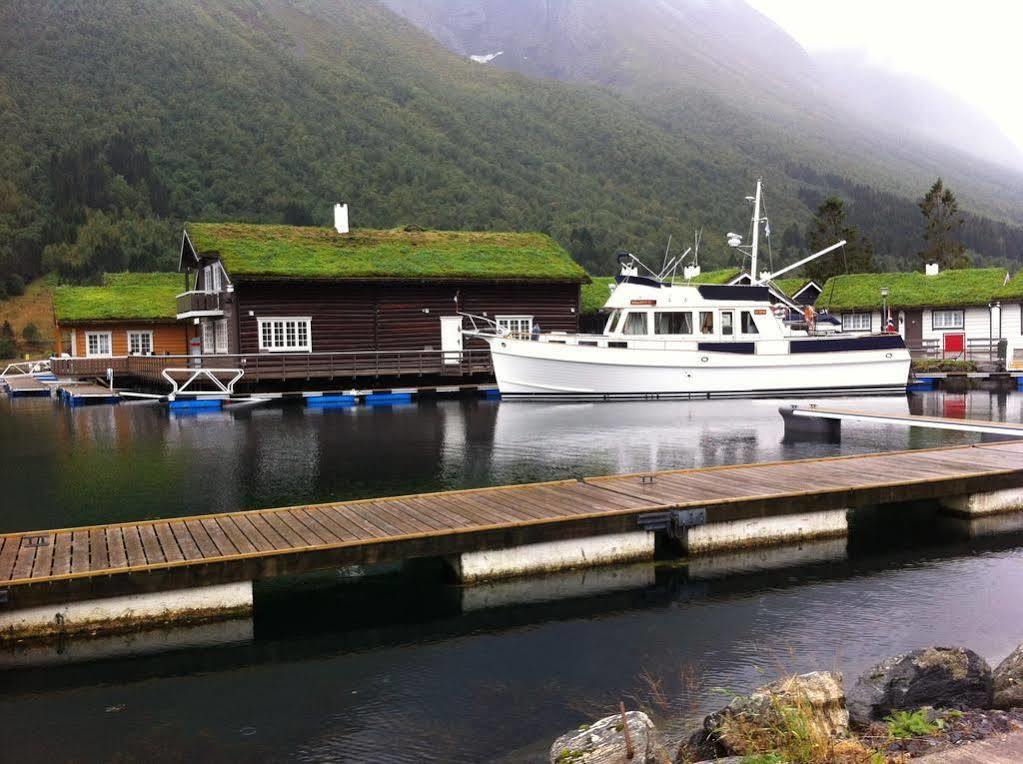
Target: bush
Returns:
[15, 285]
[8, 349]
[6, 332]
[31, 333]
[907, 724]
[943, 364]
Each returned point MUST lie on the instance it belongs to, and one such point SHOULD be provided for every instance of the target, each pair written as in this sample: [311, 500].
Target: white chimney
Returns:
[931, 269]
[341, 218]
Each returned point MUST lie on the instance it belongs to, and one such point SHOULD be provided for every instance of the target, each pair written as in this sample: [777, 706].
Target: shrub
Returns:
[943, 364]
[6, 331]
[8, 349]
[15, 285]
[31, 333]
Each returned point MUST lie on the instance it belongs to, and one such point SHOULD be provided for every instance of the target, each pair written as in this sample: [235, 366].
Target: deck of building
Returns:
[151, 555]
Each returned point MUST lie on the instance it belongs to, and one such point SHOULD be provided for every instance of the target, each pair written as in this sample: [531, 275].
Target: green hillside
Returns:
[120, 119]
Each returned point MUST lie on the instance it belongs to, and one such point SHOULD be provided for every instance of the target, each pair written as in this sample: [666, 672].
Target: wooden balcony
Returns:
[280, 367]
[191, 304]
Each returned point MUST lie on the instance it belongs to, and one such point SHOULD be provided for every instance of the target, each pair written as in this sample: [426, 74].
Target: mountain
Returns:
[121, 118]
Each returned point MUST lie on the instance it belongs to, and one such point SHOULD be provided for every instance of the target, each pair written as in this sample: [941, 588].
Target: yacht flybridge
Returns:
[668, 337]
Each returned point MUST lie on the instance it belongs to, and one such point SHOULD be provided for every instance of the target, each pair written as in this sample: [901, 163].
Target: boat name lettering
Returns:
[642, 302]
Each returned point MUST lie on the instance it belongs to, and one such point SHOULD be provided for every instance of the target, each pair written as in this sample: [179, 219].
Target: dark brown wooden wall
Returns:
[367, 316]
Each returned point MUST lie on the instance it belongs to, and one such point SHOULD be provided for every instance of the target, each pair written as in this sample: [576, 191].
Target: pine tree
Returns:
[828, 227]
[941, 229]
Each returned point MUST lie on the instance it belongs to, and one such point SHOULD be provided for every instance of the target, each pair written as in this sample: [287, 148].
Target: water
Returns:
[402, 667]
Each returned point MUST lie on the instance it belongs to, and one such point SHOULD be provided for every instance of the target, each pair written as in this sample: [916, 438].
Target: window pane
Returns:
[748, 324]
[706, 322]
[726, 323]
[673, 323]
[635, 323]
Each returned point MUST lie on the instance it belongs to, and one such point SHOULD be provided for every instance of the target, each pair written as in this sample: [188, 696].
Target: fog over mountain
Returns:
[666, 52]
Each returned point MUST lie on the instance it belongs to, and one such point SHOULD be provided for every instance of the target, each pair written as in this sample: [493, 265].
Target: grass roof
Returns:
[278, 251]
[790, 286]
[595, 294]
[1013, 290]
[129, 296]
[955, 288]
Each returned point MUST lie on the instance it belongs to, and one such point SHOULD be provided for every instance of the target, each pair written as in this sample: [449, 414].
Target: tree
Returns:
[31, 333]
[941, 229]
[829, 227]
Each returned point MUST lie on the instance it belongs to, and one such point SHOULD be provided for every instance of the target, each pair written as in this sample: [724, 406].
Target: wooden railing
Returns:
[284, 366]
[199, 302]
[985, 350]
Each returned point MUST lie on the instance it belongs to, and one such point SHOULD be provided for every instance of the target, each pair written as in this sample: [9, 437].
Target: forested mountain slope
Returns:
[121, 118]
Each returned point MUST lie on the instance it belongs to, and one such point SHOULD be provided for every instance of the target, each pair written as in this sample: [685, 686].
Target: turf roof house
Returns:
[129, 314]
[263, 289]
[948, 308]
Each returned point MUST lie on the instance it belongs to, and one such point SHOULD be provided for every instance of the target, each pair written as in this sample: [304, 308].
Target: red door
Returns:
[955, 345]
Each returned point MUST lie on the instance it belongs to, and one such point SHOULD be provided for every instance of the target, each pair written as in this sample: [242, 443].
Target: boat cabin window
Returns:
[706, 322]
[635, 323]
[727, 329]
[747, 324]
[673, 323]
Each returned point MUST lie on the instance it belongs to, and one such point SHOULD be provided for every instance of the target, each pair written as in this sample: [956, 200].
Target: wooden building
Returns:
[130, 314]
[263, 290]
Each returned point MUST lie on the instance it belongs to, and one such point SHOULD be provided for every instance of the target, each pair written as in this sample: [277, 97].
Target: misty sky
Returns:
[971, 49]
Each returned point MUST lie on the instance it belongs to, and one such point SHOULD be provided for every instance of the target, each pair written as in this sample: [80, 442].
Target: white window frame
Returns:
[958, 319]
[148, 334]
[110, 344]
[207, 337]
[645, 327]
[850, 325]
[275, 340]
[518, 326]
[220, 336]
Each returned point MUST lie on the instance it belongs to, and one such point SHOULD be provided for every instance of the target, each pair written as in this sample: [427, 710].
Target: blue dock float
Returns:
[196, 404]
[492, 394]
[387, 399]
[331, 401]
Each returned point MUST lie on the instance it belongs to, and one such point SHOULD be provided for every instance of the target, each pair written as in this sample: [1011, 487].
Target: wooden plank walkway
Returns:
[262, 543]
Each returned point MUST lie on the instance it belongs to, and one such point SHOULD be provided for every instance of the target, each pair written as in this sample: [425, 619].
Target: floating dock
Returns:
[84, 393]
[826, 421]
[110, 576]
[26, 385]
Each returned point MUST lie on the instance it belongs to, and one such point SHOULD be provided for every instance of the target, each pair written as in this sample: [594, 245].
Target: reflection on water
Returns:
[72, 466]
[403, 666]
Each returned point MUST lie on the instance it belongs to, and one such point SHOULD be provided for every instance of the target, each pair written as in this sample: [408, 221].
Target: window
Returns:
[635, 323]
[220, 336]
[706, 322]
[281, 335]
[140, 343]
[727, 323]
[673, 323]
[856, 322]
[97, 344]
[208, 340]
[211, 278]
[947, 319]
[747, 324]
[518, 326]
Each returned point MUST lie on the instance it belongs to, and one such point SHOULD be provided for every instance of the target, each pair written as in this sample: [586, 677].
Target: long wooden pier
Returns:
[63, 565]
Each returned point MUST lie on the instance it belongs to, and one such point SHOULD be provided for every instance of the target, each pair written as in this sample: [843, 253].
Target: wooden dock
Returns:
[153, 555]
[81, 393]
[25, 385]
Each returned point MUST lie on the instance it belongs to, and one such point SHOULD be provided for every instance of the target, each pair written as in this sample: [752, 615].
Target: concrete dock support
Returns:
[765, 531]
[128, 613]
[987, 503]
[553, 555]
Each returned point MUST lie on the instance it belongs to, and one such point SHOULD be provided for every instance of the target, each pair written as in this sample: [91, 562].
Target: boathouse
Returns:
[129, 314]
[963, 314]
[263, 291]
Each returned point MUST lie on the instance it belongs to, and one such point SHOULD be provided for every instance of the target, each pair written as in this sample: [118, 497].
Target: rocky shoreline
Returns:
[906, 706]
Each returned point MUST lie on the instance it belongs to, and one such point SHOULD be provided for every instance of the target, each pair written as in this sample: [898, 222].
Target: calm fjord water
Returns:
[403, 667]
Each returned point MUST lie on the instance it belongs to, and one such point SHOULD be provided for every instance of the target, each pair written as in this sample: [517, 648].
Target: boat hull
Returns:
[552, 370]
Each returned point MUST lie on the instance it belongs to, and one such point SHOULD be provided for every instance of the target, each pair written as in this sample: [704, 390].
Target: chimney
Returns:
[931, 269]
[341, 218]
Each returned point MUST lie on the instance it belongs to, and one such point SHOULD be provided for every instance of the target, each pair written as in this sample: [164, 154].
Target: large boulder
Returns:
[604, 742]
[943, 677]
[757, 722]
[1008, 681]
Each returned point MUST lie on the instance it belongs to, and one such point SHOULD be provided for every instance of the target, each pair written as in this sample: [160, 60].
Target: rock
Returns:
[747, 724]
[944, 677]
[603, 742]
[1008, 681]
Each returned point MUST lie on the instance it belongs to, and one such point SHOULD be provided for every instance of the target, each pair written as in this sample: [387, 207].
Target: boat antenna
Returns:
[664, 262]
[755, 223]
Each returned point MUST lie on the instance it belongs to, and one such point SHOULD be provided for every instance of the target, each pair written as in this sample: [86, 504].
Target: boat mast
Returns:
[756, 235]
